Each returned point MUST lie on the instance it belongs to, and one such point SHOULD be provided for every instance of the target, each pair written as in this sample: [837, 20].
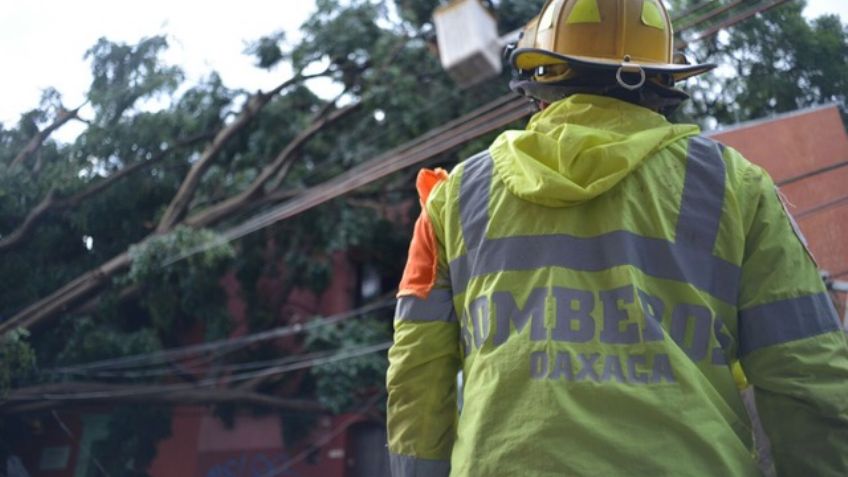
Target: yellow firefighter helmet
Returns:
[623, 36]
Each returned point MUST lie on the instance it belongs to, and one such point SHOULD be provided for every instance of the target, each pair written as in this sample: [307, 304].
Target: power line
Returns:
[822, 207]
[815, 172]
[694, 8]
[735, 20]
[711, 14]
[204, 383]
[719, 10]
[164, 371]
[220, 345]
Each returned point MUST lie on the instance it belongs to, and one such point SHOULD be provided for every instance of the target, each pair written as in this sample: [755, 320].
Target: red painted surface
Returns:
[808, 193]
[827, 234]
[792, 144]
[203, 446]
[177, 455]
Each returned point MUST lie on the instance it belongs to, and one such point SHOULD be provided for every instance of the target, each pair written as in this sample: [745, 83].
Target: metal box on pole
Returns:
[469, 45]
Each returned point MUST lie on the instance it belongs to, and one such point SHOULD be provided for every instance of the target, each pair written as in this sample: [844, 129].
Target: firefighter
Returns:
[597, 276]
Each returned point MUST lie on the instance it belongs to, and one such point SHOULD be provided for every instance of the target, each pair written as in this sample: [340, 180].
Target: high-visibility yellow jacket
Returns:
[595, 277]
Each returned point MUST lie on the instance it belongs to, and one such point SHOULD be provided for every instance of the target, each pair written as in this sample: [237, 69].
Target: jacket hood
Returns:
[579, 148]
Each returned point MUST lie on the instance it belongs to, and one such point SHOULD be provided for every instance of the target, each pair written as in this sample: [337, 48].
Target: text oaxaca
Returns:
[611, 319]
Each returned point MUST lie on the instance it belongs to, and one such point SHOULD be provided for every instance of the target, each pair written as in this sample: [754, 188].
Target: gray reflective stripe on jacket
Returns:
[688, 259]
[786, 320]
[438, 306]
[703, 195]
[408, 466]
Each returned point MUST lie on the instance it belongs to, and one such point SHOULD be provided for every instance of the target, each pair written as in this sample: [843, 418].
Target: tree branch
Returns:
[87, 284]
[281, 163]
[67, 296]
[134, 291]
[35, 143]
[32, 219]
[281, 174]
[276, 196]
[127, 293]
[51, 203]
[494, 115]
[179, 204]
[100, 186]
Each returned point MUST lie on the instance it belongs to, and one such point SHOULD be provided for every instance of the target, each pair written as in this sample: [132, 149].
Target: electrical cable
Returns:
[814, 172]
[694, 8]
[735, 20]
[341, 355]
[822, 207]
[712, 14]
[221, 369]
[241, 341]
[187, 351]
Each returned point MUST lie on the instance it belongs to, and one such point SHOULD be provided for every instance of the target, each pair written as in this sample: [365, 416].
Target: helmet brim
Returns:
[531, 58]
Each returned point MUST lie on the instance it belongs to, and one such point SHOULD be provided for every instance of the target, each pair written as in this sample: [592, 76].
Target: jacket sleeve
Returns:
[424, 359]
[790, 343]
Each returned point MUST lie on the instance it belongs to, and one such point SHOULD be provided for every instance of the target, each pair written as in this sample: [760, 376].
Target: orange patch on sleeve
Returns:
[427, 180]
[419, 276]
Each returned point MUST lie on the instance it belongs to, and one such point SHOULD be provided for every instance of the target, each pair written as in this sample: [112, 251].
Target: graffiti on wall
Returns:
[253, 464]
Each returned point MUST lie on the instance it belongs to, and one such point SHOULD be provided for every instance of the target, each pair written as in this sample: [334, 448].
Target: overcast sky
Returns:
[42, 42]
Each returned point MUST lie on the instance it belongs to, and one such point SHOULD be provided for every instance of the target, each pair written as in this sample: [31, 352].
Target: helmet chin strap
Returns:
[648, 94]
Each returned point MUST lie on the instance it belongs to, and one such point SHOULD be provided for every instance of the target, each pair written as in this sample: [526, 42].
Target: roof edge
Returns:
[776, 117]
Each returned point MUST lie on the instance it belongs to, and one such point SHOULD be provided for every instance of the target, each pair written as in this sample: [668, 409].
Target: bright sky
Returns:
[42, 42]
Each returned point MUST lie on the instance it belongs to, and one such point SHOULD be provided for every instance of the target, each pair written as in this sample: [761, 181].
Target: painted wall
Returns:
[203, 446]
